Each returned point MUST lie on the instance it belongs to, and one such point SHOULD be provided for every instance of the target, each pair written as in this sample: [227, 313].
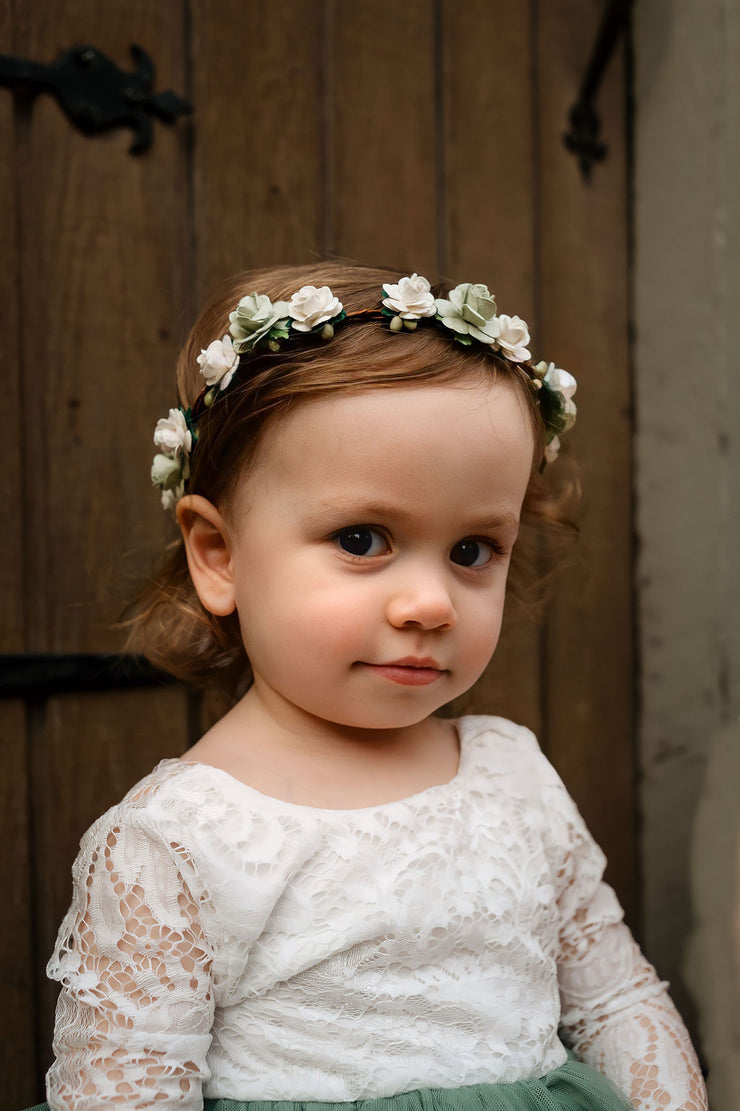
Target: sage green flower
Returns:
[253, 318]
[470, 311]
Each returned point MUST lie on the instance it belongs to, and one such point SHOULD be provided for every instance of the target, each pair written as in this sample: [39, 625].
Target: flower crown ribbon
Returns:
[257, 324]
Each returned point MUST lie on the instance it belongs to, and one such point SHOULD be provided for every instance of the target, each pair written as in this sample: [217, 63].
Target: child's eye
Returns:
[472, 553]
[361, 541]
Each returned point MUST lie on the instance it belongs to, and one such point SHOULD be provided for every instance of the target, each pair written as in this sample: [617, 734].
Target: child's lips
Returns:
[410, 671]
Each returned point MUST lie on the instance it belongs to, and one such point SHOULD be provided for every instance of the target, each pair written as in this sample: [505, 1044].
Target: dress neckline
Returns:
[239, 785]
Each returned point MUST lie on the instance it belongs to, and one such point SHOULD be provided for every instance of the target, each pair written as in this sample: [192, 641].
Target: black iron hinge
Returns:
[39, 675]
[94, 94]
[583, 137]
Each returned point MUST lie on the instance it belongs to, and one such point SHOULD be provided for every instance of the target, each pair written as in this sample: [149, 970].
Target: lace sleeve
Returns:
[136, 1007]
[616, 1014]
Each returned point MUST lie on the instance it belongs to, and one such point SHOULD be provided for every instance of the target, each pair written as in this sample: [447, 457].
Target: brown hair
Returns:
[166, 621]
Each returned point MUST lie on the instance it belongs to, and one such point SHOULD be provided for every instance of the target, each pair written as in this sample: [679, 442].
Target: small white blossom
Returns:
[470, 310]
[253, 318]
[172, 434]
[166, 471]
[218, 362]
[552, 449]
[411, 298]
[562, 385]
[170, 498]
[560, 381]
[568, 417]
[310, 307]
[169, 473]
[513, 338]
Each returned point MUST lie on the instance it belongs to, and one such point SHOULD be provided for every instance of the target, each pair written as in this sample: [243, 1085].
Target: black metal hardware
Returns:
[95, 94]
[42, 674]
[583, 138]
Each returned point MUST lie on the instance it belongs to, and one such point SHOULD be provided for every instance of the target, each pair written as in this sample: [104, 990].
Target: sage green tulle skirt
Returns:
[572, 1087]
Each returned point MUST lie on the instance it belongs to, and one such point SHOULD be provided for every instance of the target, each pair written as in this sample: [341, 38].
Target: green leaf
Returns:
[190, 422]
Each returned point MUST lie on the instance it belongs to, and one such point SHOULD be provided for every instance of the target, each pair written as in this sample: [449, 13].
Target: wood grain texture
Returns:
[102, 267]
[258, 154]
[17, 1015]
[11, 441]
[589, 665]
[17, 967]
[489, 210]
[101, 282]
[382, 133]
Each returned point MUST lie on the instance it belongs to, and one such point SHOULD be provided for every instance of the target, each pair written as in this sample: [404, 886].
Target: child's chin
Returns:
[399, 718]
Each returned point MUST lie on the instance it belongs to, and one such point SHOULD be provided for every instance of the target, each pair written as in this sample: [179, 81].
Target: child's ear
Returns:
[209, 557]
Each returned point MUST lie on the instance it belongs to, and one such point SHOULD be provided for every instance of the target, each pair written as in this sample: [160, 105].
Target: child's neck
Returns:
[316, 763]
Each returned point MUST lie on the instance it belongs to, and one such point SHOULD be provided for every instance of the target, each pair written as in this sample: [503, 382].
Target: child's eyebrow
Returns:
[500, 520]
[367, 512]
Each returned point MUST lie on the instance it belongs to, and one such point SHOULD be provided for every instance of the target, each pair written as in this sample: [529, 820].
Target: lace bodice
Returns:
[224, 943]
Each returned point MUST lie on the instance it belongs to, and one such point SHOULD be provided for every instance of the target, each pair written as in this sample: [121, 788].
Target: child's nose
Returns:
[423, 600]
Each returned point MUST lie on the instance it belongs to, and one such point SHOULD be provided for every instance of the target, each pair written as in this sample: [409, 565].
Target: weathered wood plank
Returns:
[102, 283]
[258, 154]
[489, 209]
[17, 1015]
[583, 252]
[381, 120]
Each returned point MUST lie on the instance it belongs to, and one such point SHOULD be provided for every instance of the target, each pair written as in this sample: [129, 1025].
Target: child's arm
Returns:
[136, 1007]
[616, 1015]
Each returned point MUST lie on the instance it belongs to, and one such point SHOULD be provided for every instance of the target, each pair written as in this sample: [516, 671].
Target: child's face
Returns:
[370, 555]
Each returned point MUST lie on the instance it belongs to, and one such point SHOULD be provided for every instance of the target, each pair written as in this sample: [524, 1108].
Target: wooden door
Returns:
[424, 136]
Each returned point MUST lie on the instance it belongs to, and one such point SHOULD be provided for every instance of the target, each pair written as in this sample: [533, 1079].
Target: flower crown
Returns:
[258, 324]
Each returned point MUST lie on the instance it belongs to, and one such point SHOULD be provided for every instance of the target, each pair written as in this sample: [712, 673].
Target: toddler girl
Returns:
[337, 896]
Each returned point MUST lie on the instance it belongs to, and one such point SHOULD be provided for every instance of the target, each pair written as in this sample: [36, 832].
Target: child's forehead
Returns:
[403, 416]
[411, 442]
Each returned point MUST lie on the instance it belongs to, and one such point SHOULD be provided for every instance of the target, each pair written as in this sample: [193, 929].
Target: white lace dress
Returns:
[224, 943]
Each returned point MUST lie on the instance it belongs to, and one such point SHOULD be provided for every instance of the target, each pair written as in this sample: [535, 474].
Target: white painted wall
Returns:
[687, 391]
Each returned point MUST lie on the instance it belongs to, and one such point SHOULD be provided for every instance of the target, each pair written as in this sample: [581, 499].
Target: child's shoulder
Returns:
[507, 757]
[169, 778]
[157, 807]
[501, 751]
[169, 782]
[501, 744]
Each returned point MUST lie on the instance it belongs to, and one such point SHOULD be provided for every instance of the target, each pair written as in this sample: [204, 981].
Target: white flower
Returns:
[170, 473]
[310, 307]
[411, 298]
[253, 318]
[552, 449]
[562, 386]
[560, 381]
[166, 471]
[470, 310]
[568, 416]
[172, 434]
[218, 362]
[513, 338]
